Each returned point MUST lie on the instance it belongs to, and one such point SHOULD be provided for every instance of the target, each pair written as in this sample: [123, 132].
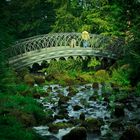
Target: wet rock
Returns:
[92, 125]
[131, 133]
[54, 127]
[106, 96]
[72, 91]
[94, 97]
[117, 125]
[87, 86]
[82, 116]
[60, 116]
[83, 89]
[49, 137]
[58, 91]
[56, 88]
[119, 110]
[74, 121]
[49, 119]
[77, 107]
[63, 100]
[62, 113]
[95, 85]
[78, 133]
[49, 89]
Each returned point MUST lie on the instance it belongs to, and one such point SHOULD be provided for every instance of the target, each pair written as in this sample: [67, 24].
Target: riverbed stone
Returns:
[72, 91]
[78, 133]
[49, 89]
[54, 127]
[48, 137]
[131, 133]
[95, 85]
[63, 100]
[92, 125]
[93, 97]
[119, 110]
[74, 121]
[116, 125]
[77, 107]
[82, 116]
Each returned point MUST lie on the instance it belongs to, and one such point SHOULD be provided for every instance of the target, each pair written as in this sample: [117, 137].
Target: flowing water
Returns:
[94, 109]
[90, 108]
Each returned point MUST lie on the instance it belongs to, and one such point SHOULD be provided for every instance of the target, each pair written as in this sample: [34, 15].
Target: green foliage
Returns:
[94, 62]
[120, 77]
[10, 128]
[112, 99]
[63, 66]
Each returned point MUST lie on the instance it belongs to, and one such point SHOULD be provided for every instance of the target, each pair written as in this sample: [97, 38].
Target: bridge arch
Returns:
[40, 48]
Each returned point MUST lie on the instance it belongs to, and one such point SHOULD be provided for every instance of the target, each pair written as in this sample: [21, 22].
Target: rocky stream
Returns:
[86, 113]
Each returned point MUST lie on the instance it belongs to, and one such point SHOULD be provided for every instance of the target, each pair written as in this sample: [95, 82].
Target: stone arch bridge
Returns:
[40, 48]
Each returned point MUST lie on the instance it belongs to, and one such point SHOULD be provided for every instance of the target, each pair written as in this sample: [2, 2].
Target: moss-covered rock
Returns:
[28, 79]
[95, 85]
[92, 125]
[78, 133]
[63, 100]
[82, 116]
[72, 91]
[131, 133]
[101, 76]
[77, 107]
[116, 125]
[119, 110]
[54, 127]
[93, 97]
[39, 79]
[84, 78]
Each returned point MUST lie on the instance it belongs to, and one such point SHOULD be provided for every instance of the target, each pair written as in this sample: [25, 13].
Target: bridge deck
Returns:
[46, 54]
[46, 47]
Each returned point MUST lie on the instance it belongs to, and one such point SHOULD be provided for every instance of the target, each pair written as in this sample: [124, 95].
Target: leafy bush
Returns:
[23, 105]
[12, 129]
[120, 77]
[93, 63]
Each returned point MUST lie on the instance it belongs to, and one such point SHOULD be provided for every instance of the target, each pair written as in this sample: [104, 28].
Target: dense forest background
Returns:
[21, 19]
[25, 18]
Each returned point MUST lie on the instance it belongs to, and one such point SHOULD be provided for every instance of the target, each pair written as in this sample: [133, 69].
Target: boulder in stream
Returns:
[92, 125]
[131, 133]
[119, 110]
[78, 133]
[54, 127]
[77, 107]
